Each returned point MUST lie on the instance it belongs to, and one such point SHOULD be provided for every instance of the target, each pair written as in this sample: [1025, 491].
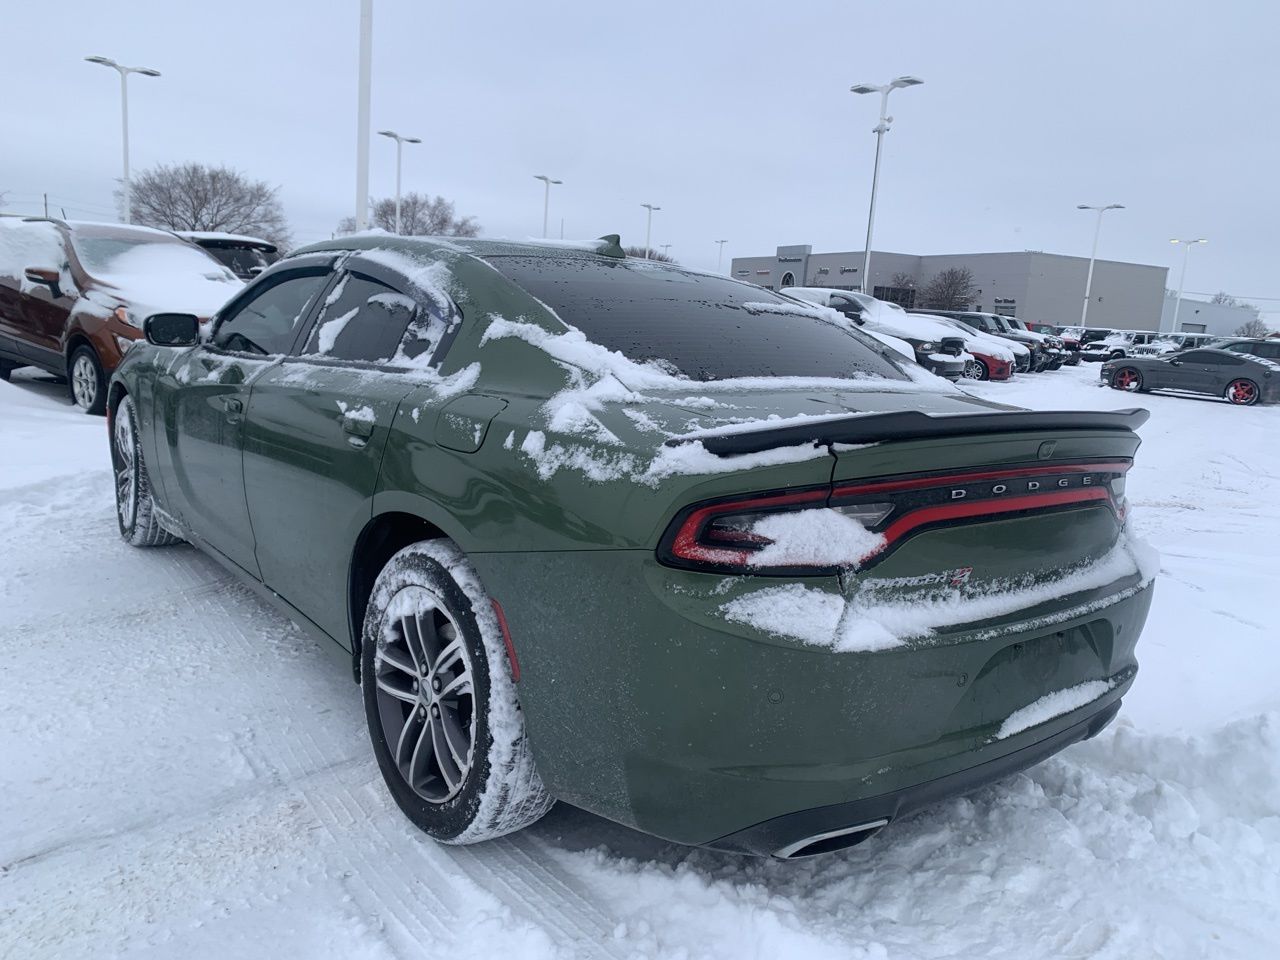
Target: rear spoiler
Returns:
[913, 425]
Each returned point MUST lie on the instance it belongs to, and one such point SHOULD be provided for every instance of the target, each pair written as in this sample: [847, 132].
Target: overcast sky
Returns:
[734, 117]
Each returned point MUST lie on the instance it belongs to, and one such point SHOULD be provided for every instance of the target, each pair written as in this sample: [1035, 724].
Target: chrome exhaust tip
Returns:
[830, 841]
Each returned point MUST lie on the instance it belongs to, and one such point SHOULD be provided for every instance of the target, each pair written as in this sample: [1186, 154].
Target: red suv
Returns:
[73, 295]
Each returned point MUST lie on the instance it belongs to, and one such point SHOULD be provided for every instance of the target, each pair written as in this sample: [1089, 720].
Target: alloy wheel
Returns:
[84, 381]
[126, 468]
[973, 370]
[426, 695]
[1242, 392]
[1127, 379]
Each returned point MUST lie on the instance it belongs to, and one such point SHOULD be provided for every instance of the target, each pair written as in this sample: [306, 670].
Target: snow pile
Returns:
[820, 538]
[1052, 705]
[877, 616]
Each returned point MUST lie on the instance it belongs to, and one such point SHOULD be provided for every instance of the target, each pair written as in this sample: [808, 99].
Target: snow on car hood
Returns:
[166, 278]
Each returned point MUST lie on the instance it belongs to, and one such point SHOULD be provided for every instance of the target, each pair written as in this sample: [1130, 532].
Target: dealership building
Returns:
[1039, 287]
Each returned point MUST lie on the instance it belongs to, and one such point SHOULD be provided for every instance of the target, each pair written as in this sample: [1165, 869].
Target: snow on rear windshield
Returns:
[704, 327]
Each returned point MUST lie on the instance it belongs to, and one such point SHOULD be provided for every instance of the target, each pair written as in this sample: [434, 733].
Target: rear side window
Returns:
[1269, 350]
[366, 320]
[268, 323]
[704, 327]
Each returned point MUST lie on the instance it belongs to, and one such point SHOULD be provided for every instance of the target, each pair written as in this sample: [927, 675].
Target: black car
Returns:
[246, 257]
[1243, 380]
[1253, 346]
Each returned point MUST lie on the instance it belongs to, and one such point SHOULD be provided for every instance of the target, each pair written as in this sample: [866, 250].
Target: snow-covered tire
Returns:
[499, 791]
[135, 508]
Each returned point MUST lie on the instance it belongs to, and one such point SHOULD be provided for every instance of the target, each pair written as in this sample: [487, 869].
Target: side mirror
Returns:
[254, 271]
[172, 329]
[1175, 362]
[47, 277]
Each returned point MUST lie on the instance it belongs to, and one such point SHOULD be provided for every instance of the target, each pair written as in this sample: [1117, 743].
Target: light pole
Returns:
[362, 114]
[400, 142]
[1182, 279]
[880, 130]
[720, 254]
[1097, 230]
[546, 200]
[124, 117]
[648, 226]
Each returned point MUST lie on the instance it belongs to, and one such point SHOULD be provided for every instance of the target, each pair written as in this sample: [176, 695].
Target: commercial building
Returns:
[1200, 316]
[1041, 287]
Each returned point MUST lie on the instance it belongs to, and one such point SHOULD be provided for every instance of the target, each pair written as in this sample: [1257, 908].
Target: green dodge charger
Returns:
[669, 547]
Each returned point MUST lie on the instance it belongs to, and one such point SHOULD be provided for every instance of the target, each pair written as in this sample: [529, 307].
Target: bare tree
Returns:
[191, 196]
[421, 215]
[1224, 298]
[1257, 327]
[904, 281]
[653, 254]
[951, 289]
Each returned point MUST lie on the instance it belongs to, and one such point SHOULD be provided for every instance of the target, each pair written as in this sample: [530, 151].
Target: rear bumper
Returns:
[781, 835]
[649, 708]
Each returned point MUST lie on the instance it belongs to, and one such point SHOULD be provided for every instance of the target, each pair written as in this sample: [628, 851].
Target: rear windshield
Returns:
[706, 327]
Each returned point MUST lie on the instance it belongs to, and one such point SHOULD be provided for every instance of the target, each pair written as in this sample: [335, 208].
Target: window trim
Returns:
[355, 265]
[318, 266]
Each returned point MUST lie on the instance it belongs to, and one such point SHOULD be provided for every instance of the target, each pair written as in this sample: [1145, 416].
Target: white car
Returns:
[934, 346]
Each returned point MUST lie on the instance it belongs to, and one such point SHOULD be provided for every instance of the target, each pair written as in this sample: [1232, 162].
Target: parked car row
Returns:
[73, 295]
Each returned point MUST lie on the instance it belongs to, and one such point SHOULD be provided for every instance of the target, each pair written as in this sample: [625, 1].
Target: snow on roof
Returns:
[225, 237]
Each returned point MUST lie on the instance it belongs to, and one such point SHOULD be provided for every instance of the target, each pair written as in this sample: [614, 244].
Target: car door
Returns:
[1199, 371]
[33, 315]
[314, 437]
[202, 397]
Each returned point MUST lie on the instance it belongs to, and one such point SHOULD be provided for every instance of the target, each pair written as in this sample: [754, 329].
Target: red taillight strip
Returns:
[917, 483]
[967, 509]
[687, 547]
[506, 639]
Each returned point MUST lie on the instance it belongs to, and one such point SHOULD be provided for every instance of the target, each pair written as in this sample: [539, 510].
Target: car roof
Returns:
[216, 237]
[428, 247]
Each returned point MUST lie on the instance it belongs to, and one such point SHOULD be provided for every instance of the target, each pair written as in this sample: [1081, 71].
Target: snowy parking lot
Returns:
[183, 773]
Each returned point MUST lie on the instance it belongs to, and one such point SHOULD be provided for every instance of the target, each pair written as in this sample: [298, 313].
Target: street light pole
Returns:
[648, 226]
[1097, 230]
[400, 142]
[879, 130]
[124, 121]
[362, 114]
[546, 200]
[1182, 279]
[720, 254]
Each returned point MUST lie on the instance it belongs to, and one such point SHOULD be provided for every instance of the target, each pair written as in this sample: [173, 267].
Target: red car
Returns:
[987, 367]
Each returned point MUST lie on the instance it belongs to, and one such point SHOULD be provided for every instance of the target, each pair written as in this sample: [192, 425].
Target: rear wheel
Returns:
[1242, 392]
[1127, 378]
[88, 383]
[135, 508]
[440, 702]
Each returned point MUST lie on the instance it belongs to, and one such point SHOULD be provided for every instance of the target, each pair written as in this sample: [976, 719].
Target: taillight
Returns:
[821, 531]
